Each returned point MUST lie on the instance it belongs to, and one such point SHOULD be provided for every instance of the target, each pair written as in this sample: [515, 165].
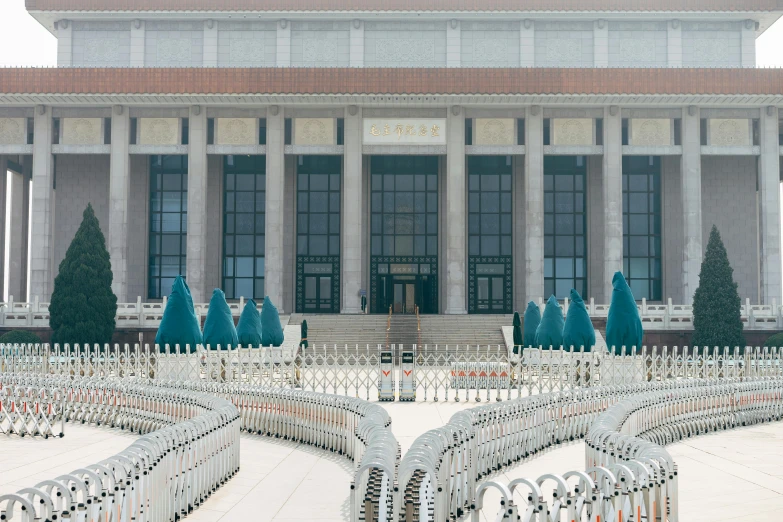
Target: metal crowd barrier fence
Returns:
[488, 373]
[629, 477]
[352, 427]
[189, 446]
[31, 405]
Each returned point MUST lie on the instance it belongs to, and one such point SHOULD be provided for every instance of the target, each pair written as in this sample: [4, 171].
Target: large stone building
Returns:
[458, 155]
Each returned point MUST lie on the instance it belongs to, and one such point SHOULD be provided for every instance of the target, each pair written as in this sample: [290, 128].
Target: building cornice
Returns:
[369, 86]
[672, 6]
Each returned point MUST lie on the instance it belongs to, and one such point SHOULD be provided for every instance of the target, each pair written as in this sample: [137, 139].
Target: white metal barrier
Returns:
[31, 406]
[491, 373]
[629, 476]
[188, 448]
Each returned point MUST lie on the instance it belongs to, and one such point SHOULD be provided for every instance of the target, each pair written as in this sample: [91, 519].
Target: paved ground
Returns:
[734, 476]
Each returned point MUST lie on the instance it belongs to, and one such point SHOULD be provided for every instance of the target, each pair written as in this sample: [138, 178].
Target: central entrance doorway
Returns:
[404, 234]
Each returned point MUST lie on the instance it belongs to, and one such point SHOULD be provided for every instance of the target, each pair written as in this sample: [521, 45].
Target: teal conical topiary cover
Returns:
[179, 325]
[578, 330]
[219, 327]
[623, 326]
[532, 320]
[271, 329]
[549, 334]
[83, 306]
[249, 327]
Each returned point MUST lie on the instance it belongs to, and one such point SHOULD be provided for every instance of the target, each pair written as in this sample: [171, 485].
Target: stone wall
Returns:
[247, 44]
[174, 44]
[101, 44]
[81, 179]
[561, 44]
[320, 44]
[633, 44]
[489, 44]
[729, 202]
[711, 44]
[405, 44]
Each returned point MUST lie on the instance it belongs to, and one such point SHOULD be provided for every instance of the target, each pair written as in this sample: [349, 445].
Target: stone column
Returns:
[527, 44]
[674, 39]
[453, 43]
[612, 199]
[356, 51]
[119, 190]
[534, 203]
[769, 208]
[691, 201]
[749, 43]
[275, 202]
[601, 43]
[19, 186]
[41, 283]
[283, 46]
[352, 259]
[197, 205]
[3, 193]
[456, 210]
[137, 43]
[210, 54]
[64, 43]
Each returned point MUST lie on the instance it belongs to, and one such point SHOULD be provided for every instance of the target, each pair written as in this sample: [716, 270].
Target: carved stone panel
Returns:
[391, 52]
[319, 49]
[246, 50]
[314, 131]
[236, 131]
[565, 50]
[159, 131]
[102, 51]
[489, 51]
[651, 132]
[729, 132]
[174, 50]
[13, 131]
[82, 131]
[494, 131]
[572, 131]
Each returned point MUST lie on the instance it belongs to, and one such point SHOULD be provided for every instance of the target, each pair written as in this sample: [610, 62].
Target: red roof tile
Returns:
[404, 5]
[389, 81]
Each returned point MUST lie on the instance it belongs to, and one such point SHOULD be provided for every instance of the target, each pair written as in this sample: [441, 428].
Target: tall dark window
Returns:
[489, 234]
[168, 222]
[404, 206]
[318, 234]
[565, 262]
[642, 225]
[243, 226]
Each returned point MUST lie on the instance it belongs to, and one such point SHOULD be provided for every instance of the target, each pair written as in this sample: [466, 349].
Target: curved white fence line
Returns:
[629, 475]
[188, 448]
[174, 417]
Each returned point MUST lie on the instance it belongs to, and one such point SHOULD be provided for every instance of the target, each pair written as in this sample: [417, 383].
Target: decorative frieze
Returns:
[174, 50]
[159, 131]
[637, 50]
[102, 50]
[246, 50]
[494, 131]
[489, 51]
[572, 131]
[390, 51]
[314, 131]
[729, 132]
[82, 131]
[563, 50]
[13, 131]
[319, 49]
[404, 131]
[651, 132]
[236, 131]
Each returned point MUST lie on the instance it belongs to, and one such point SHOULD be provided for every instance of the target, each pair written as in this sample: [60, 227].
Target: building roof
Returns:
[408, 5]
[390, 81]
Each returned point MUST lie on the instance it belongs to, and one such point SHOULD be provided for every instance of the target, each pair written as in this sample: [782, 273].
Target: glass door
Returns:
[490, 294]
[318, 294]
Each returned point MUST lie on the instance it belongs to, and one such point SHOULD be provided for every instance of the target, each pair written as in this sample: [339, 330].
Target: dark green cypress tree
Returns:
[716, 303]
[83, 306]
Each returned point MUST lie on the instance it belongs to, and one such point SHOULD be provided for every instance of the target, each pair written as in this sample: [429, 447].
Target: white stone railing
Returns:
[655, 316]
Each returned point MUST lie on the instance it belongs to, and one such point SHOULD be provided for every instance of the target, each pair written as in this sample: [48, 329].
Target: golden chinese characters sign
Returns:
[404, 131]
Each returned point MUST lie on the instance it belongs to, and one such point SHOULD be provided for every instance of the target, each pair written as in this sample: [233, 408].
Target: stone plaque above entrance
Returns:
[573, 131]
[82, 131]
[159, 131]
[13, 131]
[314, 131]
[495, 131]
[236, 131]
[651, 132]
[730, 132]
[404, 131]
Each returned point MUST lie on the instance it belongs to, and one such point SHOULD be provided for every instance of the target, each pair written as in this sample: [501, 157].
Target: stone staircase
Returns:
[441, 330]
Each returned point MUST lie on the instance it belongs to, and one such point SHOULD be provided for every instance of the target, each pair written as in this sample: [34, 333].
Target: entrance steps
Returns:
[441, 330]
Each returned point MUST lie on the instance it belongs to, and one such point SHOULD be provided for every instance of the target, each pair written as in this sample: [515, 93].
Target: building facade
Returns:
[459, 157]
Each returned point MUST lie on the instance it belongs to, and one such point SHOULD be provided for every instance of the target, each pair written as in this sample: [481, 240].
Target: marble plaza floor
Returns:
[734, 476]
